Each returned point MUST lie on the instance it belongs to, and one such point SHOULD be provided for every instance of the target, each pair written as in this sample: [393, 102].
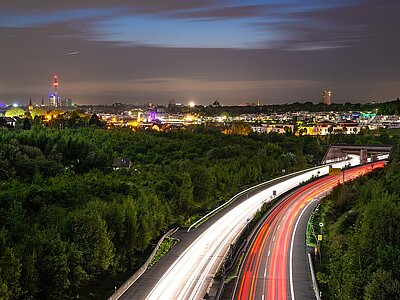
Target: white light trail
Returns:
[190, 275]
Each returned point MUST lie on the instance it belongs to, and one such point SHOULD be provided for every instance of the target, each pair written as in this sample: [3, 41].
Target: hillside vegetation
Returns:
[66, 218]
[361, 247]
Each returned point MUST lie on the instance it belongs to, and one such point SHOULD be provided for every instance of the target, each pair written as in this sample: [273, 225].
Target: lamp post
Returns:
[319, 240]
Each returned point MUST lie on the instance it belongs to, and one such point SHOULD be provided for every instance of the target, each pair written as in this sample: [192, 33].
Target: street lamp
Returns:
[319, 240]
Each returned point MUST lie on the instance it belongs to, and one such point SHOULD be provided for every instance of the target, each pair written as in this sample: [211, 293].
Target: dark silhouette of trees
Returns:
[95, 121]
[26, 124]
[67, 219]
[361, 250]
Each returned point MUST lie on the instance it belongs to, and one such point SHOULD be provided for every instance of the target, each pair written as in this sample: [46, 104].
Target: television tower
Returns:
[55, 84]
[54, 97]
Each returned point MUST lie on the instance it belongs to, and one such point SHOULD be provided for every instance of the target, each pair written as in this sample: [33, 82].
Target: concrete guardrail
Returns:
[127, 284]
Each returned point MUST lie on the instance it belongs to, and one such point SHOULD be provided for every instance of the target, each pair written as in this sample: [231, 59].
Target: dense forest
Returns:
[361, 245]
[66, 218]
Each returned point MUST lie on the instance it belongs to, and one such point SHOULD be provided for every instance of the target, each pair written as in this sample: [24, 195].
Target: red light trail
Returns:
[267, 271]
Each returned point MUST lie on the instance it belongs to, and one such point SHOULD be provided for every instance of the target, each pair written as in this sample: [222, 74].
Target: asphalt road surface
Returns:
[187, 271]
[276, 266]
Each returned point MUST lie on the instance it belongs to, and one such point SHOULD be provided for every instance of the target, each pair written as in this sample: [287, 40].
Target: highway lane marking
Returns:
[202, 270]
[179, 290]
[184, 259]
[168, 287]
[291, 251]
[208, 263]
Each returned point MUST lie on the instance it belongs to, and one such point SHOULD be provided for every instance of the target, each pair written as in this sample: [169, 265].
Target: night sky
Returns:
[140, 51]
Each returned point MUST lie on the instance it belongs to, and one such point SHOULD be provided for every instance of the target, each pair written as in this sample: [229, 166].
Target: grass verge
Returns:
[164, 248]
[311, 238]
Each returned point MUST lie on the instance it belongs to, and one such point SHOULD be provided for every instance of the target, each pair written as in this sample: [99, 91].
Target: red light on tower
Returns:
[55, 100]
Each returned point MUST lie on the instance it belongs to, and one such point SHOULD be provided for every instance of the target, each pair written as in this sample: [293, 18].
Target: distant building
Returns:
[216, 103]
[53, 100]
[30, 106]
[118, 105]
[8, 121]
[161, 109]
[326, 97]
[121, 163]
[66, 102]
[171, 103]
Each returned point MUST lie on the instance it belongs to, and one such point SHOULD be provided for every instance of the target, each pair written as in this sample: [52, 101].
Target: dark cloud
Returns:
[345, 26]
[359, 62]
[154, 6]
[229, 12]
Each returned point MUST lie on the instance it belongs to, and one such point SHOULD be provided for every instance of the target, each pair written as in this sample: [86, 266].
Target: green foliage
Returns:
[167, 244]
[10, 274]
[361, 250]
[67, 219]
[89, 232]
[38, 112]
[382, 286]
[15, 112]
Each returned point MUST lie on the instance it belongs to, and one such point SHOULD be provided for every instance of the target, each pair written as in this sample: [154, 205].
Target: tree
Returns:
[203, 184]
[53, 266]
[88, 231]
[185, 196]
[15, 112]
[382, 287]
[38, 112]
[27, 124]
[95, 121]
[77, 275]
[10, 274]
[239, 128]
[56, 112]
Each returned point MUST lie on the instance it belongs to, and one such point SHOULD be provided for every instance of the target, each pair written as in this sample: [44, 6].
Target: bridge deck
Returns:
[335, 152]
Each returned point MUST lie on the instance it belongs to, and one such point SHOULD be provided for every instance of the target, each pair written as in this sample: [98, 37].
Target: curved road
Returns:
[190, 275]
[275, 266]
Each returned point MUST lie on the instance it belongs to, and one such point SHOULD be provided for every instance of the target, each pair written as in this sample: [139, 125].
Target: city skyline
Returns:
[140, 51]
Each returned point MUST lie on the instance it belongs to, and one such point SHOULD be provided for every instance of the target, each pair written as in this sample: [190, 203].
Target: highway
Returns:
[189, 275]
[275, 265]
